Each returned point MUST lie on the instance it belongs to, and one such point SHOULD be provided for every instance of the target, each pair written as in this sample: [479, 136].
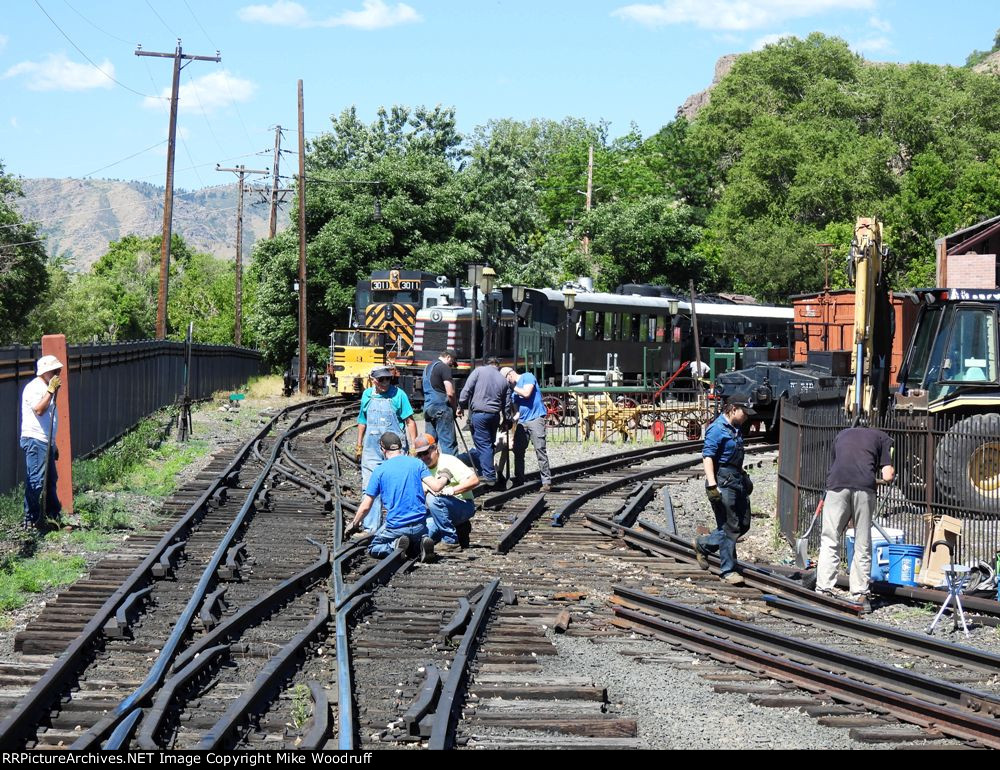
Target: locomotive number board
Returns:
[387, 285]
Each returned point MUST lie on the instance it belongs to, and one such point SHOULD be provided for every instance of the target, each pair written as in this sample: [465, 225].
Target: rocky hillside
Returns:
[80, 217]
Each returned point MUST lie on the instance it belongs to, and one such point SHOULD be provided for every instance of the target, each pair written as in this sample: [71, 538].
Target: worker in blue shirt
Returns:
[728, 488]
[384, 408]
[398, 481]
[530, 423]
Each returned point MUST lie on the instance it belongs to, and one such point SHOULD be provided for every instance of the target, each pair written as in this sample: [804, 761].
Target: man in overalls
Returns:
[440, 402]
[384, 409]
[728, 488]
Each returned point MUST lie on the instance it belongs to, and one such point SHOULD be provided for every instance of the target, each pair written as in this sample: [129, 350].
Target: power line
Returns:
[157, 15]
[99, 29]
[91, 61]
[133, 155]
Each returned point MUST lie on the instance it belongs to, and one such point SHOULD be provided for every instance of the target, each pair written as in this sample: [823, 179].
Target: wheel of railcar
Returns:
[967, 464]
[555, 411]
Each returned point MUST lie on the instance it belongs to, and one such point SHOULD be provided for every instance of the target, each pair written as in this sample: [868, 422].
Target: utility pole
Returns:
[168, 198]
[302, 243]
[275, 190]
[590, 194]
[241, 172]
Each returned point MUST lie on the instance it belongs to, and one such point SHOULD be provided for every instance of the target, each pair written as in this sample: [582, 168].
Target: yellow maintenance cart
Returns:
[353, 354]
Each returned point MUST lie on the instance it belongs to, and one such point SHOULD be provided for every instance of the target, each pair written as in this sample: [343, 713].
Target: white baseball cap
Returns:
[47, 364]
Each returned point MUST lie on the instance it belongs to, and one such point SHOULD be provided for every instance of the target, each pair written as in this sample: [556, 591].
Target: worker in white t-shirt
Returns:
[449, 500]
[39, 422]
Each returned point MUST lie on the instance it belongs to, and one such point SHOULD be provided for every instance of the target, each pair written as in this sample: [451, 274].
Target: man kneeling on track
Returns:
[449, 498]
[399, 483]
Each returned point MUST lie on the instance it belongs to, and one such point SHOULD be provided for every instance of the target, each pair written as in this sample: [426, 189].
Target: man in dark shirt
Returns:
[440, 402]
[860, 455]
[484, 394]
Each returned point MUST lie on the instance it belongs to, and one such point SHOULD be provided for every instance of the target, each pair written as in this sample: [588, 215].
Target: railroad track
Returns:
[464, 652]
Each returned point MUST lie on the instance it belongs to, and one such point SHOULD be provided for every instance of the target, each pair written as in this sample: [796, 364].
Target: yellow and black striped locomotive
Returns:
[388, 302]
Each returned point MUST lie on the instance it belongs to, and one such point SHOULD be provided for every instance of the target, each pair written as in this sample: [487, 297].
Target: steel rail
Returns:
[27, 713]
[959, 723]
[918, 644]
[843, 663]
[442, 735]
[160, 666]
[345, 682]
[571, 470]
[655, 538]
[263, 686]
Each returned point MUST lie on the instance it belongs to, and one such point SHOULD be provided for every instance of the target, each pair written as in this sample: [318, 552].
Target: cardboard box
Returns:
[946, 528]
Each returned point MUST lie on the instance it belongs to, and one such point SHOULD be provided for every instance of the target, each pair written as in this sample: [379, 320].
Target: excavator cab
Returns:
[952, 361]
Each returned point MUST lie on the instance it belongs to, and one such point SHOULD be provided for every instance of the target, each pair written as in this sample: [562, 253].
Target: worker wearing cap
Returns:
[529, 416]
[449, 495]
[39, 422]
[728, 488]
[398, 482]
[384, 408]
[440, 401]
[484, 395]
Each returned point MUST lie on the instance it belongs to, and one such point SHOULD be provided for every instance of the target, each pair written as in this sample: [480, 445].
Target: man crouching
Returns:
[399, 483]
[449, 498]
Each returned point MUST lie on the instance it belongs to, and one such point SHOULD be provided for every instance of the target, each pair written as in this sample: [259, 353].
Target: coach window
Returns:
[588, 325]
[627, 326]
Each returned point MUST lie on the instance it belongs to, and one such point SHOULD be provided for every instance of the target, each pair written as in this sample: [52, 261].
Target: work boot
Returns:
[545, 488]
[733, 579]
[446, 547]
[426, 550]
[464, 531]
[699, 554]
[402, 542]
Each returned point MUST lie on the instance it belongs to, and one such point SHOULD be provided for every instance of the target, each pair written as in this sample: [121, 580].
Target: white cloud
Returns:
[57, 73]
[282, 13]
[767, 40]
[3, 41]
[873, 45]
[212, 92]
[880, 24]
[13, 122]
[731, 14]
[374, 14]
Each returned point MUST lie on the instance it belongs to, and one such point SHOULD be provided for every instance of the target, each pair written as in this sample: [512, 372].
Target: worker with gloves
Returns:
[728, 488]
[39, 422]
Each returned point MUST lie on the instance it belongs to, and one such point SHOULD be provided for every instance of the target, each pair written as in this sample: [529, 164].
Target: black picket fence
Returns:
[112, 387]
[945, 464]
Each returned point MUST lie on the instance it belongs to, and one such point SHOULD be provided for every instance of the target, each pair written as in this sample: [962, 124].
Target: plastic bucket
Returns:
[880, 550]
[904, 563]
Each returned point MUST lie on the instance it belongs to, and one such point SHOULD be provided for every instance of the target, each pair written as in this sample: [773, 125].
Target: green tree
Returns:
[23, 273]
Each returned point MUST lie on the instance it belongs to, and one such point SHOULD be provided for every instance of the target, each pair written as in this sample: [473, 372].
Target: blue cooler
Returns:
[880, 550]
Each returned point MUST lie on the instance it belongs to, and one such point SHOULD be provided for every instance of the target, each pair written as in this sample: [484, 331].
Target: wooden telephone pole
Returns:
[589, 194]
[241, 172]
[168, 198]
[303, 353]
[275, 190]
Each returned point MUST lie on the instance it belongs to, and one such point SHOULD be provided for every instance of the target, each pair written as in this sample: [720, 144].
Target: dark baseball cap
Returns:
[743, 401]
[391, 442]
[381, 371]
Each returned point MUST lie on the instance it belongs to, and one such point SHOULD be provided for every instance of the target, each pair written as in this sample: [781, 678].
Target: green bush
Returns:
[18, 578]
[111, 465]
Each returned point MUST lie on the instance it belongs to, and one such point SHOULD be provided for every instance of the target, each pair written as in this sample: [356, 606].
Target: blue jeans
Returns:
[484, 431]
[439, 421]
[446, 513]
[381, 544]
[732, 520]
[34, 460]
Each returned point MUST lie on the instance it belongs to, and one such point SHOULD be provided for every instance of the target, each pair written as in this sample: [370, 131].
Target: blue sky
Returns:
[64, 116]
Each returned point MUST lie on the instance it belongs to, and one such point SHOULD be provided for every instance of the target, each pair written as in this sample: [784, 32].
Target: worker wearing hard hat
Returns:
[39, 422]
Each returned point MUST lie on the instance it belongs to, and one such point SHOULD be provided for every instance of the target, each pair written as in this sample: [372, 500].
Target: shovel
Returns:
[43, 514]
[802, 544]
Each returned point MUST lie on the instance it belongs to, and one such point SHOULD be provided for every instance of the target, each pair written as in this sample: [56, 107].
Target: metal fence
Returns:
[113, 387]
[945, 464]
